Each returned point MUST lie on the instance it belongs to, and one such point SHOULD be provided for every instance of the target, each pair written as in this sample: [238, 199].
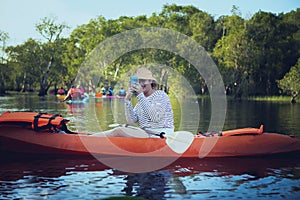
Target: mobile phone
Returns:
[134, 79]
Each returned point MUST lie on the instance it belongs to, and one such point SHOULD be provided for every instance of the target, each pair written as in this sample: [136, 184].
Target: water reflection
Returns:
[151, 185]
[87, 178]
[68, 177]
[280, 117]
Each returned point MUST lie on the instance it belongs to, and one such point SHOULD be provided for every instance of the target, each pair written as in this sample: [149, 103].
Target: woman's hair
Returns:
[154, 84]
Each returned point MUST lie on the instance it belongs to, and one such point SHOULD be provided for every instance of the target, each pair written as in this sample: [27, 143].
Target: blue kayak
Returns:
[79, 101]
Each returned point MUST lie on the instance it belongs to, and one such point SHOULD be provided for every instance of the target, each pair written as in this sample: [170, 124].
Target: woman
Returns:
[153, 111]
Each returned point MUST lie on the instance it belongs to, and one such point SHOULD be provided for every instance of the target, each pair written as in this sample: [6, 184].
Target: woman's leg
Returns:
[129, 131]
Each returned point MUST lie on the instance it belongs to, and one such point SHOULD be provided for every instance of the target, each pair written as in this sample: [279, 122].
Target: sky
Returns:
[19, 17]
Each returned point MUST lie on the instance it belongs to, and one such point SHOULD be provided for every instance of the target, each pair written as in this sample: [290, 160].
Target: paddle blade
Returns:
[114, 125]
[179, 141]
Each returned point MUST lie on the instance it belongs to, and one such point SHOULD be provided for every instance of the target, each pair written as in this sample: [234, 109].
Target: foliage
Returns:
[232, 53]
[290, 83]
[3, 68]
[252, 54]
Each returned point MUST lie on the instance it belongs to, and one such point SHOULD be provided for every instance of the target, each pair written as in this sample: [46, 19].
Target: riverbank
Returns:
[256, 98]
[271, 98]
[253, 98]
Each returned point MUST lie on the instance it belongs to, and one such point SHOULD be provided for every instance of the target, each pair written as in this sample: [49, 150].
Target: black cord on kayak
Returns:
[161, 135]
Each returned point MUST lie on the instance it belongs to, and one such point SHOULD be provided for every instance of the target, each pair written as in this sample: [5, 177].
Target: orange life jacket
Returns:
[36, 121]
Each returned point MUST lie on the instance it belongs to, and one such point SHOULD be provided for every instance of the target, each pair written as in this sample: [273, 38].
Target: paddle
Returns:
[178, 141]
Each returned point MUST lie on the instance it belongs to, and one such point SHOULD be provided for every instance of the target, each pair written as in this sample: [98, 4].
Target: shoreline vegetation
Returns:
[271, 98]
[258, 57]
[279, 98]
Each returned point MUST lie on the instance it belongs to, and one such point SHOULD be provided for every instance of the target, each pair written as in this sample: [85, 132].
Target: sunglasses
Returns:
[144, 82]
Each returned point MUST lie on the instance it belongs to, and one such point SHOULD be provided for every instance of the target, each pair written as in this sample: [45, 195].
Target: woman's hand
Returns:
[136, 89]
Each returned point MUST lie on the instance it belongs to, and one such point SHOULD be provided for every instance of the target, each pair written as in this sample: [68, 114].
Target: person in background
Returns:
[61, 91]
[122, 92]
[110, 91]
[103, 90]
[74, 94]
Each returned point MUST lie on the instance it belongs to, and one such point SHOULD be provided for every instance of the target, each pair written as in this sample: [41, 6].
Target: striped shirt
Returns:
[153, 112]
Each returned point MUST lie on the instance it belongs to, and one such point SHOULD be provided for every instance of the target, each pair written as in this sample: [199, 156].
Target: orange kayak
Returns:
[39, 137]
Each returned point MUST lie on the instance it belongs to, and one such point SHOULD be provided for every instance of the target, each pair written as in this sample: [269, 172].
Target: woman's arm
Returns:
[156, 110]
[131, 116]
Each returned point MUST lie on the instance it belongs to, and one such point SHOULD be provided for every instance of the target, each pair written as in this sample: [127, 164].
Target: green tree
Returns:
[51, 31]
[267, 51]
[203, 30]
[232, 54]
[290, 84]
[3, 38]
[178, 17]
[28, 60]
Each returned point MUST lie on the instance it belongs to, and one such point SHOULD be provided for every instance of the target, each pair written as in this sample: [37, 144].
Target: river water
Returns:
[87, 178]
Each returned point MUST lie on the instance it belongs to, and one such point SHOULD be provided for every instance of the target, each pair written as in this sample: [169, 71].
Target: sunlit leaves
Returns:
[290, 83]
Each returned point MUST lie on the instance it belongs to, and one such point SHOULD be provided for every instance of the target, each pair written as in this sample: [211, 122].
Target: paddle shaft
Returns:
[164, 135]
[161, 135]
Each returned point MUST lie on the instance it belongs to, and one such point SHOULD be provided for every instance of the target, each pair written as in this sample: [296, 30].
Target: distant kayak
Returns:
[101, 96]
[34, 133]
[79, 101]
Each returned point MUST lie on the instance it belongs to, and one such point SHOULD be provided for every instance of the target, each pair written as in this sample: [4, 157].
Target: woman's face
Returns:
[146, 85]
